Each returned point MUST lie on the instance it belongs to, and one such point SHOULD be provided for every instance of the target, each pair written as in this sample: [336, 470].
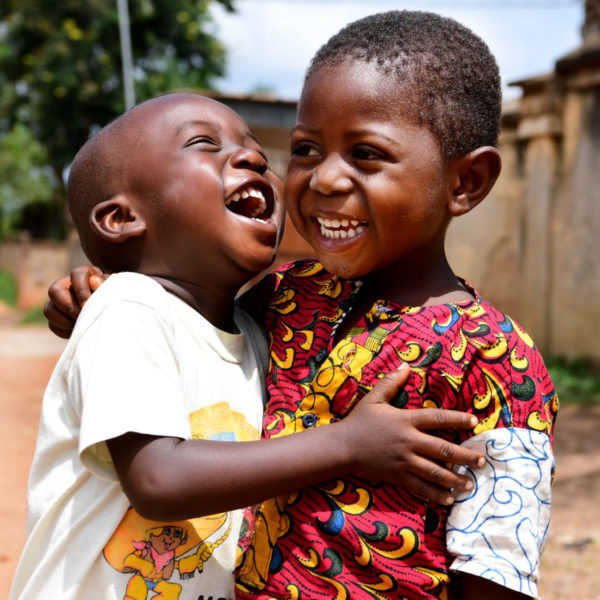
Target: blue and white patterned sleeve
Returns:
[498, 529]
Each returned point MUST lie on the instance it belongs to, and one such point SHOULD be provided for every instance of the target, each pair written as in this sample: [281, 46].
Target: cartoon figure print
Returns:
[151, 552]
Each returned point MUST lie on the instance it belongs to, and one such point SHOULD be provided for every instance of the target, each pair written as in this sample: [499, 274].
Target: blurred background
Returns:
[532, 248]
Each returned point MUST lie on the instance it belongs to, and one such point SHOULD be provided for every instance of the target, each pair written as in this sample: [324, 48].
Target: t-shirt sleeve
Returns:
[498, 529]
[124, 378]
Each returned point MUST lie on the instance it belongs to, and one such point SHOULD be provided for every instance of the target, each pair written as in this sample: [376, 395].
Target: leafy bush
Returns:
[24, 178]
[577, 381]
[33, 316]
[8, 288]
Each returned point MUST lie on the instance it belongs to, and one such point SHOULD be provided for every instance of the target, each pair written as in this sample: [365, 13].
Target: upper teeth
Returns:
[254, 193]
[332, 228]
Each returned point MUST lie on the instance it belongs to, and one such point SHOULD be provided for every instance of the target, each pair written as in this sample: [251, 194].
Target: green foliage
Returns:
[576, 381]
[33, 316]
[8, 288]
[25, 178]
[60, 63]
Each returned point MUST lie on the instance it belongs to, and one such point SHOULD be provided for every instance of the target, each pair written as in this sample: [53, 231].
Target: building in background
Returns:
[532, 248]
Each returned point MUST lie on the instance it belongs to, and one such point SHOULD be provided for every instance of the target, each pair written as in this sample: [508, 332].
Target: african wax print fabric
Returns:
[350, 538]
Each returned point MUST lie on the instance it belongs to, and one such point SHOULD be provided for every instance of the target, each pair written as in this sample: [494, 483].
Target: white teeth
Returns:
[234, 198]
[246, 193]
[332, 228]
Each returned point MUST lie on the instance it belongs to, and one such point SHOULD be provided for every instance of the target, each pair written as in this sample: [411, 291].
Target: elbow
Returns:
[156, 507]
[156, 499]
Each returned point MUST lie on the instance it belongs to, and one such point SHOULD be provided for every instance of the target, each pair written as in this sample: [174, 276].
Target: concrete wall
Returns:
[35, 264]
[533, 247]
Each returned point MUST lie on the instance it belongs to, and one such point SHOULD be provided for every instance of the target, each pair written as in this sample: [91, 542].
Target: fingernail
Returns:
[403, 366]
[481, 462]
[468, 485]
[449, 500]
[474, 421]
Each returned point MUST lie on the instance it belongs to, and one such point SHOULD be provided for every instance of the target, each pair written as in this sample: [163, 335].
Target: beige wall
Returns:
[533, 247]
[35, 265]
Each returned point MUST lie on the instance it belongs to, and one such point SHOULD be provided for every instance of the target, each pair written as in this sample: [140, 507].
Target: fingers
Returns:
[388, 387]
[439, 475]
[97, 280]
[58, 322]
[67, 296]
[439, 418]
[447, 452]
[81, 283]
[61, 300]
[427, 490]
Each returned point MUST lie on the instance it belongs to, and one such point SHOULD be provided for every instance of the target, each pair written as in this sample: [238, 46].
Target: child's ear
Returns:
[472, 178]
[115, 220]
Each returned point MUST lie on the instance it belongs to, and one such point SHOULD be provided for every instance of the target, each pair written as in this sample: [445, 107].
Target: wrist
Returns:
[344, 443]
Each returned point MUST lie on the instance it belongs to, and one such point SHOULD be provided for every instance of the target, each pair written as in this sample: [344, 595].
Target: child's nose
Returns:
[330, 177]
[248, 158]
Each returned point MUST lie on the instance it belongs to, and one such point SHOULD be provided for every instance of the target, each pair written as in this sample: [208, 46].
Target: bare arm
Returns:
[173, 479]
[214, 475]
[473, 587]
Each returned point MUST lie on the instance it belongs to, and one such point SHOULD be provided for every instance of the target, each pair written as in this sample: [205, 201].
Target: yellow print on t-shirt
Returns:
[150, 551]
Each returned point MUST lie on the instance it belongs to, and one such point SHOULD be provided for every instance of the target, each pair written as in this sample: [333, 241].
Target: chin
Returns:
[259, 262]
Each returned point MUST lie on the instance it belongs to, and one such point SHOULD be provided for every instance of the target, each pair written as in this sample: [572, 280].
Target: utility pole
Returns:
[126, 56]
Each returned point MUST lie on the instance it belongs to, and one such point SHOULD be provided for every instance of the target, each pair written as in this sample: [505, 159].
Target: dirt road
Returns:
[570, 566]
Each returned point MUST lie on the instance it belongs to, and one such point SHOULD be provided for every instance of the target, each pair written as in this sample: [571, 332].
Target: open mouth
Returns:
[336, 229]
[252, 201]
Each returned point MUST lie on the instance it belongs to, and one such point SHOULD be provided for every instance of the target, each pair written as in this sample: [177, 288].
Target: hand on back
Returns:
[390, 444]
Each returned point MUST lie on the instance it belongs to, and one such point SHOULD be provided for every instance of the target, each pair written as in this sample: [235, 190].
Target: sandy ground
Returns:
[570, 566]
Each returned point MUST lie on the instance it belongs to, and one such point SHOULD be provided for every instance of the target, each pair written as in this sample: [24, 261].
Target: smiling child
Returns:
[135, 480]
[395, 136]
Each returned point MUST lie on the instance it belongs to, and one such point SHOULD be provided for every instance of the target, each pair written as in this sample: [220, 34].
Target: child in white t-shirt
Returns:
[176, 199]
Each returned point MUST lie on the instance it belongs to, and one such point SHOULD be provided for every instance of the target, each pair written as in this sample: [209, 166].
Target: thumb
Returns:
[96, 280]
[388, 387]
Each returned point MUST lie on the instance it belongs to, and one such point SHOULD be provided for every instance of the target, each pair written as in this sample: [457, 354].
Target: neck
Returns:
[416, 282]
[216, 306]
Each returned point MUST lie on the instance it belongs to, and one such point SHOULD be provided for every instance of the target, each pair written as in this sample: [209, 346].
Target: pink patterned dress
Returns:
[351, 538]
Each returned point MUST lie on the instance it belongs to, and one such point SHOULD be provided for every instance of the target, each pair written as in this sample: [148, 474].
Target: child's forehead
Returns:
[179, 113]
[364, 88]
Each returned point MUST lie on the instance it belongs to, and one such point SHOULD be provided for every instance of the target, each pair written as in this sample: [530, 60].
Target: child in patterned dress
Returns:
[396, 134]
[176, 198]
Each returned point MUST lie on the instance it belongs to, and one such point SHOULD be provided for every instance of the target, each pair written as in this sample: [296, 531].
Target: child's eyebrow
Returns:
[352, 133]
[250, 136]
[187, 124]
[302, 127]
[214, 126]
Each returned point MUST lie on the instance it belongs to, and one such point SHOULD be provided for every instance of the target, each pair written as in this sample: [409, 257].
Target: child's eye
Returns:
[201, 139]
[304, 149]
[363, 153]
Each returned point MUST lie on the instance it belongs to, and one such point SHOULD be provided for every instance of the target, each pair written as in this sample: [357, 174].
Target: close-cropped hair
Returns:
[447, 77]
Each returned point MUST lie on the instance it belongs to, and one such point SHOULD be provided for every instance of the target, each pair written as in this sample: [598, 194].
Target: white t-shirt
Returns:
[139, 360]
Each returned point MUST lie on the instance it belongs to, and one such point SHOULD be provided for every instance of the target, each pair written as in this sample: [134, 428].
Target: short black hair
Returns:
[446, 73]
